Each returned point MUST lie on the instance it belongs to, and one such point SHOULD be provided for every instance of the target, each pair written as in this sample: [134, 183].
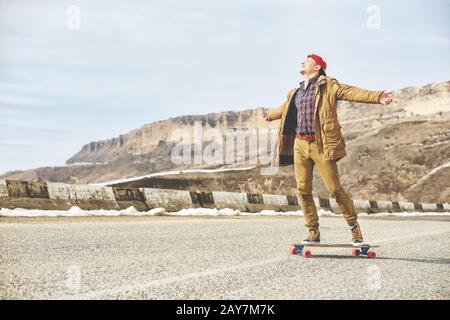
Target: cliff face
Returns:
[145, 140]
[396, 152]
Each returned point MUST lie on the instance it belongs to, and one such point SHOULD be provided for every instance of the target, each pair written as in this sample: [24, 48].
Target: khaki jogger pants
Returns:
[305, 157]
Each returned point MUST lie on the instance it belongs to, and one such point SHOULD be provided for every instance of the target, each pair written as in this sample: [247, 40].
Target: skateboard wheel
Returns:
[306, 253]
[293, 251]
[356, 252]
[371, 255]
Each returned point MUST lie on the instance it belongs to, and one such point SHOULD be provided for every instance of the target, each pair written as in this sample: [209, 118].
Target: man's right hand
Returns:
[266, 116]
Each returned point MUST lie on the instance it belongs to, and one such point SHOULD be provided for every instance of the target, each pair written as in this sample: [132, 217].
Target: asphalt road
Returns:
[218, 258]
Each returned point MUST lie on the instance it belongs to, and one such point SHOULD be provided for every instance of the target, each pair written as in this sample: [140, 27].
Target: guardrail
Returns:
[61, 196]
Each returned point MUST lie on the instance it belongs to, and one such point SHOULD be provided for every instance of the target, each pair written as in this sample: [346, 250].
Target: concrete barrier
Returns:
[56, 196]
[385, 205]
[27, 189]
[127, 197]
[91, 197]
[3, 189]
[255, 203]
[27, 195]
[275, 202]
[232, 200]
[60, 196]
[58, 191]
[293, 203]
[361, 206]
[171, 200]
[202, 199]
[429, 207]
[406, 206]
[89, 192]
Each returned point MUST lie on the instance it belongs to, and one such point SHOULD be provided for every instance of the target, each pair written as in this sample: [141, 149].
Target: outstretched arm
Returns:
[355, 94]
[276, 113]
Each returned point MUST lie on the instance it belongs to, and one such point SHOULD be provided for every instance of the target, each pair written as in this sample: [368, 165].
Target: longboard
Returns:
[299, 249]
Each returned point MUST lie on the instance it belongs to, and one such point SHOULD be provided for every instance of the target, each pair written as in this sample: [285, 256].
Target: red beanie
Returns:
[319, 61]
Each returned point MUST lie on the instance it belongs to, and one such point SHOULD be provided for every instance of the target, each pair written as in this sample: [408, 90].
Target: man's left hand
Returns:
[386, 98]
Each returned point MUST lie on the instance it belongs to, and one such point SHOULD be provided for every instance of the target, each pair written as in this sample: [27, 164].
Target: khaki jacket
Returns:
[330, 141]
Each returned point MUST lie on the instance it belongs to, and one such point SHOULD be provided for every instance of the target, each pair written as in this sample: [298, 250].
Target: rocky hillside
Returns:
[139, 144]
[396, 152]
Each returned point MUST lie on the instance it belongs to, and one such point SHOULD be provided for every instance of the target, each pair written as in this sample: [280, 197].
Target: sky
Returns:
[73, 71]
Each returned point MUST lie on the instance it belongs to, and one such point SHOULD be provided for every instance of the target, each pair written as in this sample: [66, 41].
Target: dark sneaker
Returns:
[357, 237]
[313, 236]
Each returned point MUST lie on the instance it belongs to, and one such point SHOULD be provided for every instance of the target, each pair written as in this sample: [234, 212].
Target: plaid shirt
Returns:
[304, 101]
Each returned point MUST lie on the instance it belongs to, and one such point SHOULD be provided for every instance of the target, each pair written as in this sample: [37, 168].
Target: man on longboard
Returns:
[310, 134]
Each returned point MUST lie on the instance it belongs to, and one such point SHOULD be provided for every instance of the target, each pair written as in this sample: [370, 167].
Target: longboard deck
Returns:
[299, 248]
[335, 245]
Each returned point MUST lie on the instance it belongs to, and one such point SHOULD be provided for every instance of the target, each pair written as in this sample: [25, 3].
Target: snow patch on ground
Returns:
[85, 164]
[425, 177]
[131, 211]
[168, 173]
[77, 212]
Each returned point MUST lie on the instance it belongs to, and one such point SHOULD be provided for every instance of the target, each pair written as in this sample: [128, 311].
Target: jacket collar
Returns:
[322, 79]
[315, 80]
